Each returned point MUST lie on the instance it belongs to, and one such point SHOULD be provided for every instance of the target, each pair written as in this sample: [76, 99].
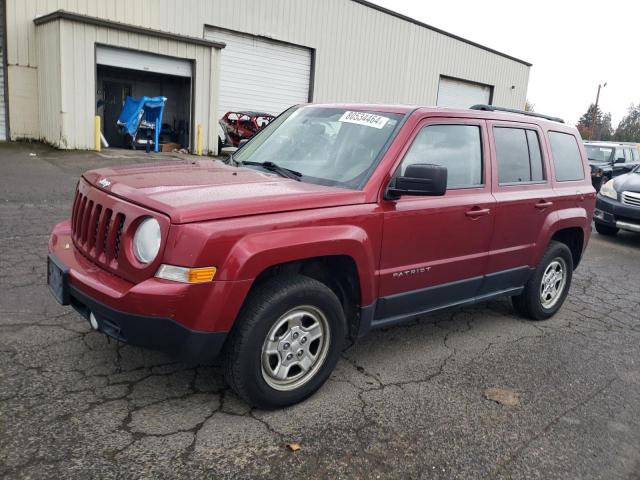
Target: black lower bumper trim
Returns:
[609, 212]
[157, 333]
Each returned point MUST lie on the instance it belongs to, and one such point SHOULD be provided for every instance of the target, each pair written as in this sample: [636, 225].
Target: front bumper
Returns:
[612, 213]
[190, 322]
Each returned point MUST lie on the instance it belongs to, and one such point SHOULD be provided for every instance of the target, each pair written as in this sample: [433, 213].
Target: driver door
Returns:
[435, 248]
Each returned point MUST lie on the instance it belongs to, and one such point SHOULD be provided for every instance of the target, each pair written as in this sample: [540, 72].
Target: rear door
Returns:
[434, 249]
[525, 198]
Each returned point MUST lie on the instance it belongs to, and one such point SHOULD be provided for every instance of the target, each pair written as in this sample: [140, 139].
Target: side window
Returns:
[518, 155]
[634, 153]
[566, 157]
[535, 154]
[627, 154]
[619, 154]
[457, 147]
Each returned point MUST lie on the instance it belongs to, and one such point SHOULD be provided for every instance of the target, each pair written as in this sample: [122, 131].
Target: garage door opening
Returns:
[122, 73]
[456, 93]
[114, 84]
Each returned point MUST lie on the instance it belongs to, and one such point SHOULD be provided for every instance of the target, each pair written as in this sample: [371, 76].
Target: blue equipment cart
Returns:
[141, 120]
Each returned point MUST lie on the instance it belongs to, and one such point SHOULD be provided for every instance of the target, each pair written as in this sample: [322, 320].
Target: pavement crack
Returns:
[503, 464]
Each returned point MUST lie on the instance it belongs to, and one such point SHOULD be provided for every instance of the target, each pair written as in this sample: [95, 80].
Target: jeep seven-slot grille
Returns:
[97, 231]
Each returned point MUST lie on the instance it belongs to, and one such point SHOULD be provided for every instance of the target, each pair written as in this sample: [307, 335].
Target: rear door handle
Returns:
[477, 212]
[541, 205]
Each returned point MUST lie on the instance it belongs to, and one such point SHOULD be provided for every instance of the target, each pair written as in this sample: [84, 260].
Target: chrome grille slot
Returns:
[631, 198]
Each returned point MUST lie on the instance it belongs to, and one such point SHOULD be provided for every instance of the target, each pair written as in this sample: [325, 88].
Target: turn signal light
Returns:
[185, 274]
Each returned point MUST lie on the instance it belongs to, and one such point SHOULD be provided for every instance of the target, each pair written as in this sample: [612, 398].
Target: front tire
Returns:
[286, 342]
[607, 230]
[547, 289]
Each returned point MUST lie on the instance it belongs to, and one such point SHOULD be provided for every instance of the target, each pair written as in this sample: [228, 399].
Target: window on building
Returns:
[456, 147]
[518, 154]
[566, 157]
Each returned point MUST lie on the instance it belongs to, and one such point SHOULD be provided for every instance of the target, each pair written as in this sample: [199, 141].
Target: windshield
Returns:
[599, 154]
[328, 146]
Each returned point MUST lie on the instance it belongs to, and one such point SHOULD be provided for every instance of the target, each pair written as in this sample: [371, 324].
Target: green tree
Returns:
[629, 127]
[602, 130]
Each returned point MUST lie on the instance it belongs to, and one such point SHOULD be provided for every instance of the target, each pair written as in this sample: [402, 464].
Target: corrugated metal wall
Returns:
[3, 114]
[67, 51]
[361, 54]
[49, 92]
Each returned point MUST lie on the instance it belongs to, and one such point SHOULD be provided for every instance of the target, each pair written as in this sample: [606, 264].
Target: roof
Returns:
[437, 30]
[99, 22]
[602, 143]
[446, 112]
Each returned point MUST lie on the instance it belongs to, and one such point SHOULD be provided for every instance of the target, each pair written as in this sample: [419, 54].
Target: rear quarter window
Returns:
[566, 157]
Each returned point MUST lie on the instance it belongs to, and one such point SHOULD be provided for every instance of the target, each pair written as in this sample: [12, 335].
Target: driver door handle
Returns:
[476, 212]
[541, 205]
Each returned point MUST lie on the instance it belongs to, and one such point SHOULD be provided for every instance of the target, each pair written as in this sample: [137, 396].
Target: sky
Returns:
[573, 46]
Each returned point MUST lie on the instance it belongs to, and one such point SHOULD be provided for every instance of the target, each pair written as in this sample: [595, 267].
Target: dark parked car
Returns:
[610, 159]
[332, 221]
[618, 204]
[238, 126]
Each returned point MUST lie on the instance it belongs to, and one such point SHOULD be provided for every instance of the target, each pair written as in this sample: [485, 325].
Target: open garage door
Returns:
[122, 72]
[461, 94]
[260, 75]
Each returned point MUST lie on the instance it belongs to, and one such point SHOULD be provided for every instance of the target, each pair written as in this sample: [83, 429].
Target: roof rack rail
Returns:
[491, 108]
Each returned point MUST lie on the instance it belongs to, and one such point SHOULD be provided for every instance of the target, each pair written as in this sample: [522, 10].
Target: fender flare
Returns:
[576, 217]
[254, 253]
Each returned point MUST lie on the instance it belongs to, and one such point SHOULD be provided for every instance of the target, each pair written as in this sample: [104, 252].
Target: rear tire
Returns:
[547, 289]
[285, 343]
[607, 230]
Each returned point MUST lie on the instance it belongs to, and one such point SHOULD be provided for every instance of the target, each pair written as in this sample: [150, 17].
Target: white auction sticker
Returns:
[364, 118]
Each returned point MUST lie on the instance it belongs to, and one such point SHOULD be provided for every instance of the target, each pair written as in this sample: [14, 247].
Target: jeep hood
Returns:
[629, 182]
[193, 191]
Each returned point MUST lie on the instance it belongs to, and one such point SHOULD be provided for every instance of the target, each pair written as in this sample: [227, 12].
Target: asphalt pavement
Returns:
[405, 402]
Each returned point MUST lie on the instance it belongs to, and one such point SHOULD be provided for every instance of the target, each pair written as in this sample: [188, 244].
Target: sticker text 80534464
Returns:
[364, 118]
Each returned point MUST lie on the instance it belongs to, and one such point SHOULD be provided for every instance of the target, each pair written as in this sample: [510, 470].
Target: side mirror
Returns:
[242, 143]
[619, 160]
[419, 179]
[228, 150]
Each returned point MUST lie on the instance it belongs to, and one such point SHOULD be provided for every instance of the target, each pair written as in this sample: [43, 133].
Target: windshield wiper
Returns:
[274, 167]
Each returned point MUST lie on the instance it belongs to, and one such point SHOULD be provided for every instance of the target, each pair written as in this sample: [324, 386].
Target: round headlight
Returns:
[146, 241]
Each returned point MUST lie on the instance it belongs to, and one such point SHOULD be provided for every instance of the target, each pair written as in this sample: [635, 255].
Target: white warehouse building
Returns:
[66, 61]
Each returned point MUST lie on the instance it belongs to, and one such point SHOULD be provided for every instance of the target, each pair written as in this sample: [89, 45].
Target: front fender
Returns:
[254, 253]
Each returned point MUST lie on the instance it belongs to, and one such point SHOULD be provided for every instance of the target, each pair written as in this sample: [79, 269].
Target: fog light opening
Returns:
[93, 321]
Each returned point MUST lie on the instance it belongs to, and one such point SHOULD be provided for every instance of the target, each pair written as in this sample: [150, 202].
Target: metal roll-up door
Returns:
[146, 62]
[460, 94]
[260, 75]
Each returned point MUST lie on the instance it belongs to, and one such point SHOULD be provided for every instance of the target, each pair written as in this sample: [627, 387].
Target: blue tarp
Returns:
[145, 112]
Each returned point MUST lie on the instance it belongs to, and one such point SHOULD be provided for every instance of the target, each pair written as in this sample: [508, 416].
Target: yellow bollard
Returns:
[97, 126]
[199, 142]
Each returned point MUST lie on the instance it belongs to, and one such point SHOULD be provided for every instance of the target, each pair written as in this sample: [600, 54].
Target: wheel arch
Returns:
[569, 226]
[572, 237]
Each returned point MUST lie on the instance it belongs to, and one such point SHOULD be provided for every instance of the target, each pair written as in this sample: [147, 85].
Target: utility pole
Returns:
[595, 111]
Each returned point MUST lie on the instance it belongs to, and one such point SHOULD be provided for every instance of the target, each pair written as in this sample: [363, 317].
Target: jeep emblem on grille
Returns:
[104, 183]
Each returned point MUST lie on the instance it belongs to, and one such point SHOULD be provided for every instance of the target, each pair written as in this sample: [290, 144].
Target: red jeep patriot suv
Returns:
[332, 221]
